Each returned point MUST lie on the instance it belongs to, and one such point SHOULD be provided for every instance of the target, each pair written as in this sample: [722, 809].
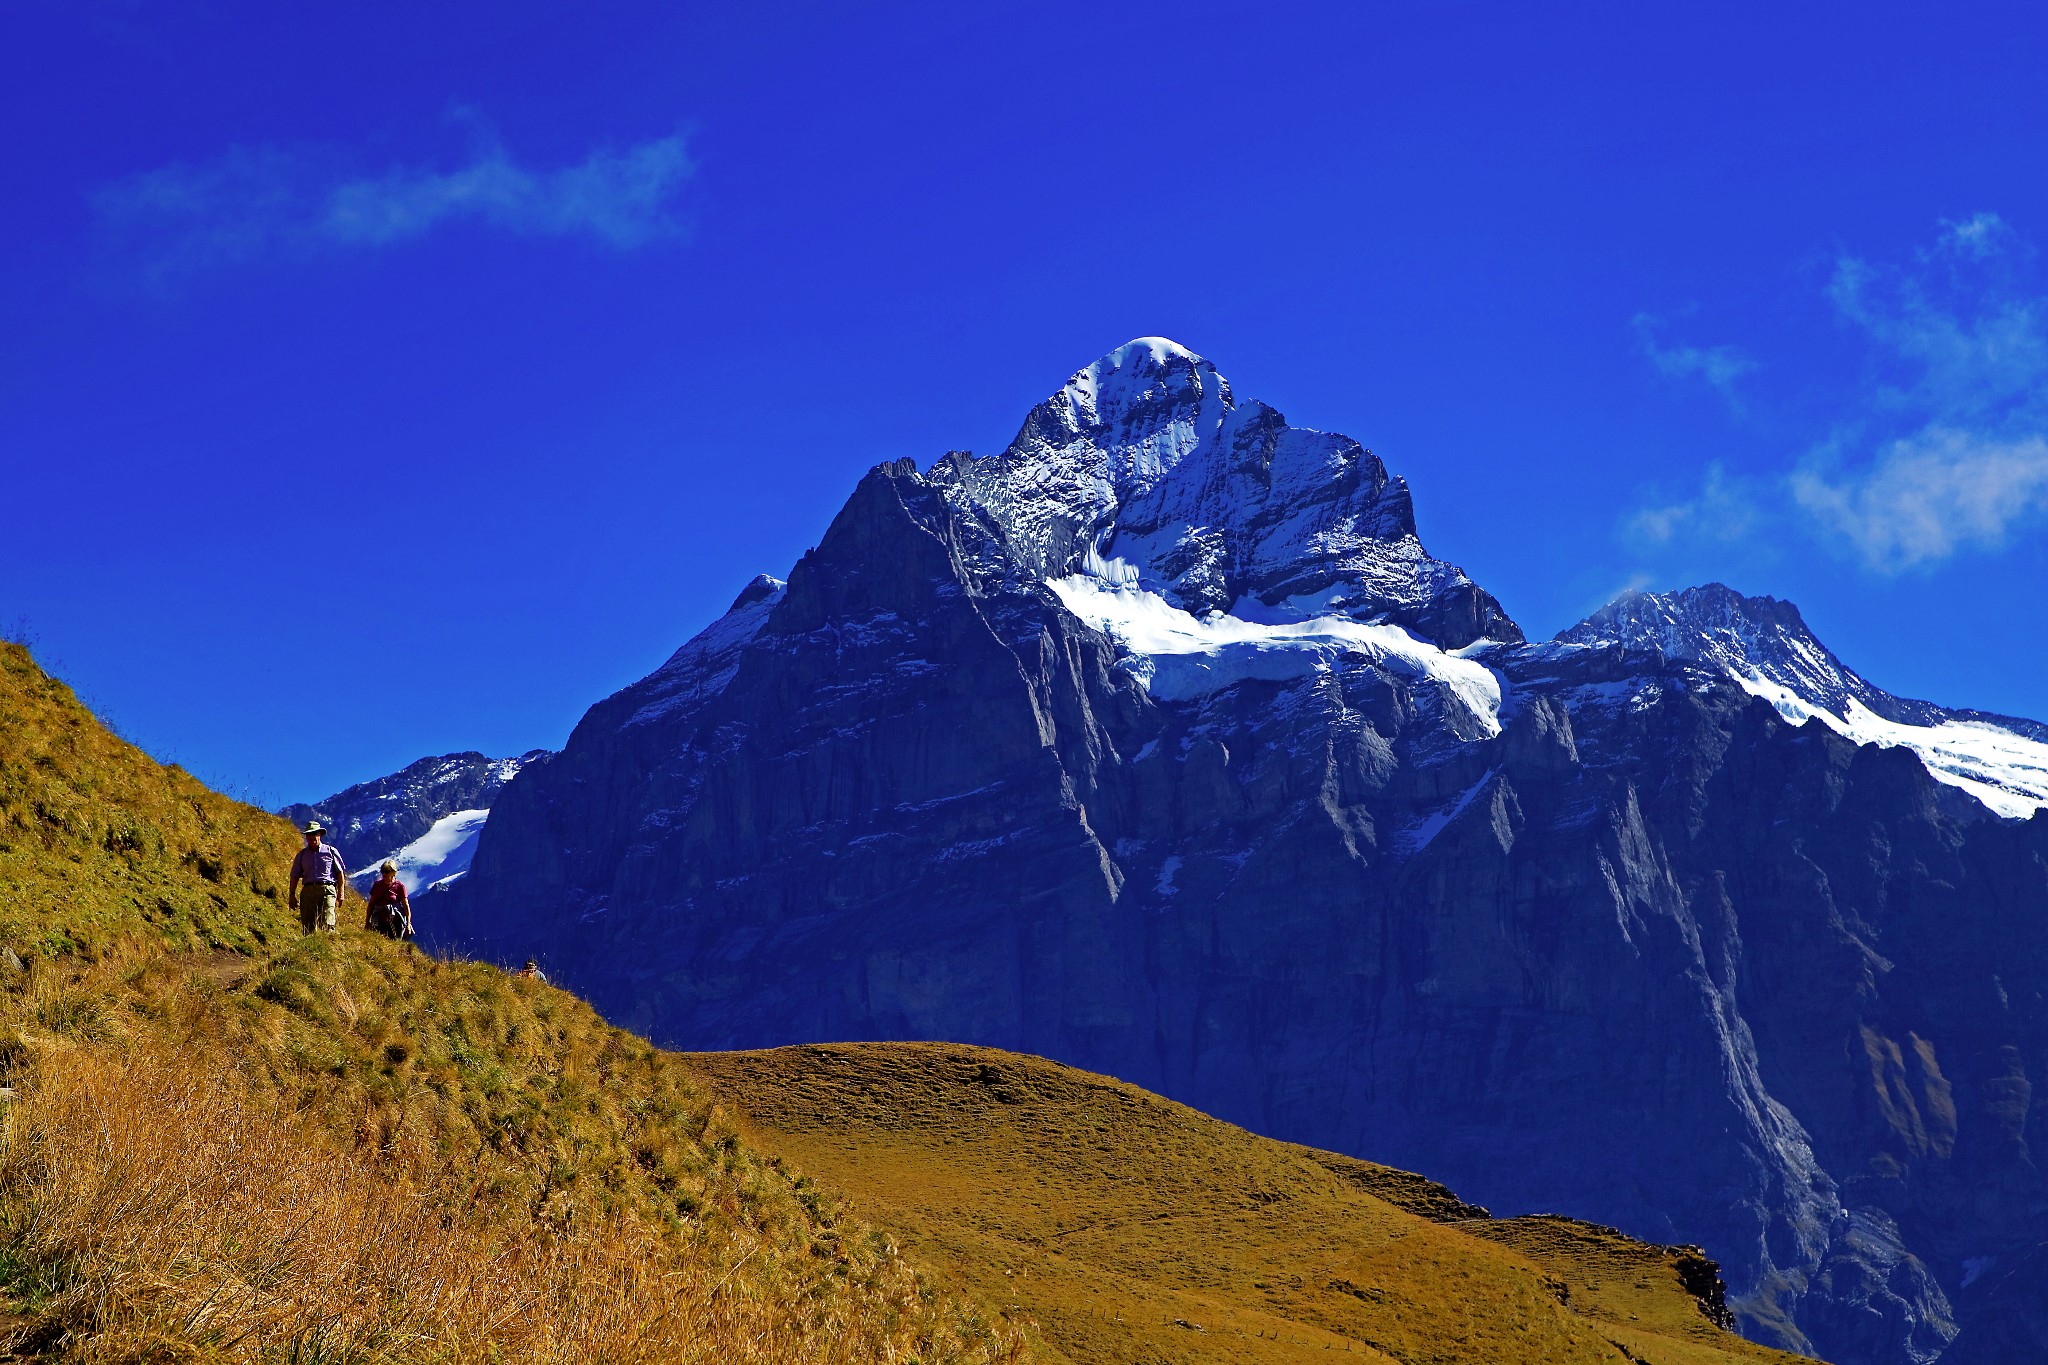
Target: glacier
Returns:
[437, 857]
[2006, 771]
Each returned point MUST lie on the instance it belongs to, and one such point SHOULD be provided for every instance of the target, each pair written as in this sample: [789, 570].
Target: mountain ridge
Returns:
[1129, 1227]
[1766, 646]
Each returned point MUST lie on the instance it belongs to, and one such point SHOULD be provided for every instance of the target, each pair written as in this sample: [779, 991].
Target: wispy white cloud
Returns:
[249, 202]
[622, 198]
[1718, 366]
[245, 202]
[1956, 421]
[1930, 495]
[1957, 339]
[1978, 236]
[1944, 447]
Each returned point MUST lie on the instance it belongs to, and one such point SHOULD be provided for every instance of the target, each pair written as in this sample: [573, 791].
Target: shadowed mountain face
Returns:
[1159, 745]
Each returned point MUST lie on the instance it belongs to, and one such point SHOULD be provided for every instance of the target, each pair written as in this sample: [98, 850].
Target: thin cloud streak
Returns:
[254, 202]
[620, 198]
[1719, 367]
[1725, 509]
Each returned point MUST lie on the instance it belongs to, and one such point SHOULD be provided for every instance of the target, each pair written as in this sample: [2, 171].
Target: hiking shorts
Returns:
[317, 904]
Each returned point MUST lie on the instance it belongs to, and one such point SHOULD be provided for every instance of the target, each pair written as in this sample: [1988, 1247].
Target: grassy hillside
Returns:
[228, 1142]
[101, 847]
[1125, 1227]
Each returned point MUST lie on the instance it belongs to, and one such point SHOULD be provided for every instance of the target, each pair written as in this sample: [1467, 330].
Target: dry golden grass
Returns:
[181, 1221]
[353, 1152]
[230, 1142]
[210, 1158]
[1615, 1281]
[1124, 1227]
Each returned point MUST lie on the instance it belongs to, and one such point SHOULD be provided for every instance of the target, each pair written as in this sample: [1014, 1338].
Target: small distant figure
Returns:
[390, 909]
[317, 875]
[532, 972]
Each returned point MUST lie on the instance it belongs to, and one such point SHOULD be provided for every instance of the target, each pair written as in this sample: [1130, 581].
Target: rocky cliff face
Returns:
[1158, 744]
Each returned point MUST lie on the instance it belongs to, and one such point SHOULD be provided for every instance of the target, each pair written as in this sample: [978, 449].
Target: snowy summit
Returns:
[1144, 470]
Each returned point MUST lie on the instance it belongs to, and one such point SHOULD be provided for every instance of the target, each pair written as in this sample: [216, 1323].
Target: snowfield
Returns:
[440, 855]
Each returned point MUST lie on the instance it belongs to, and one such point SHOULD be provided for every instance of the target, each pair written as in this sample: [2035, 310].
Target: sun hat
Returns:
[315, 828]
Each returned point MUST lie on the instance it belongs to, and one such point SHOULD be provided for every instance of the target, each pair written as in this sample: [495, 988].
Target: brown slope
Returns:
[1125, 1227]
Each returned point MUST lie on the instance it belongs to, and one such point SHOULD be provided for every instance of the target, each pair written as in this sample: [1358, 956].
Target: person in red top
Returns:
[390, 911]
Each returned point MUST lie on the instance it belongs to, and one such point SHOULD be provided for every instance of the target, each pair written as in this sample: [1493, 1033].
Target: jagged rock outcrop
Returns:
[1159, 745]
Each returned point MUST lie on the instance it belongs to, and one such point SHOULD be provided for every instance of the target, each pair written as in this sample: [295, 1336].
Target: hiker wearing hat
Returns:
[390, 910]
[317, 874]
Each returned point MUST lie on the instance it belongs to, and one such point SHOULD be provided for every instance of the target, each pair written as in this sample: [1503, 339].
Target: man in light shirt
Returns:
[317, 877]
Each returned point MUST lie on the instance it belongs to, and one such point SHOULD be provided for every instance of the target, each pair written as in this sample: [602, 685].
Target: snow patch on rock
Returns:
[1177, 655]
[2005, 771]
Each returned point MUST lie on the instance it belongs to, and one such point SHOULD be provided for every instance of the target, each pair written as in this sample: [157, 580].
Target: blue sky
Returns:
[381, 380]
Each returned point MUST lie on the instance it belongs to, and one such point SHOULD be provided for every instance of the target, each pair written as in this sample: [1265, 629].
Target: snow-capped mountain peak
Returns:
[1158, 743]
[1144, 406]
[1145, 470]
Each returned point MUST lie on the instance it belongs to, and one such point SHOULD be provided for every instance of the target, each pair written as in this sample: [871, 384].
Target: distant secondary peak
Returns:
[1714, 626]
[1766, 648]
[1704, 622]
